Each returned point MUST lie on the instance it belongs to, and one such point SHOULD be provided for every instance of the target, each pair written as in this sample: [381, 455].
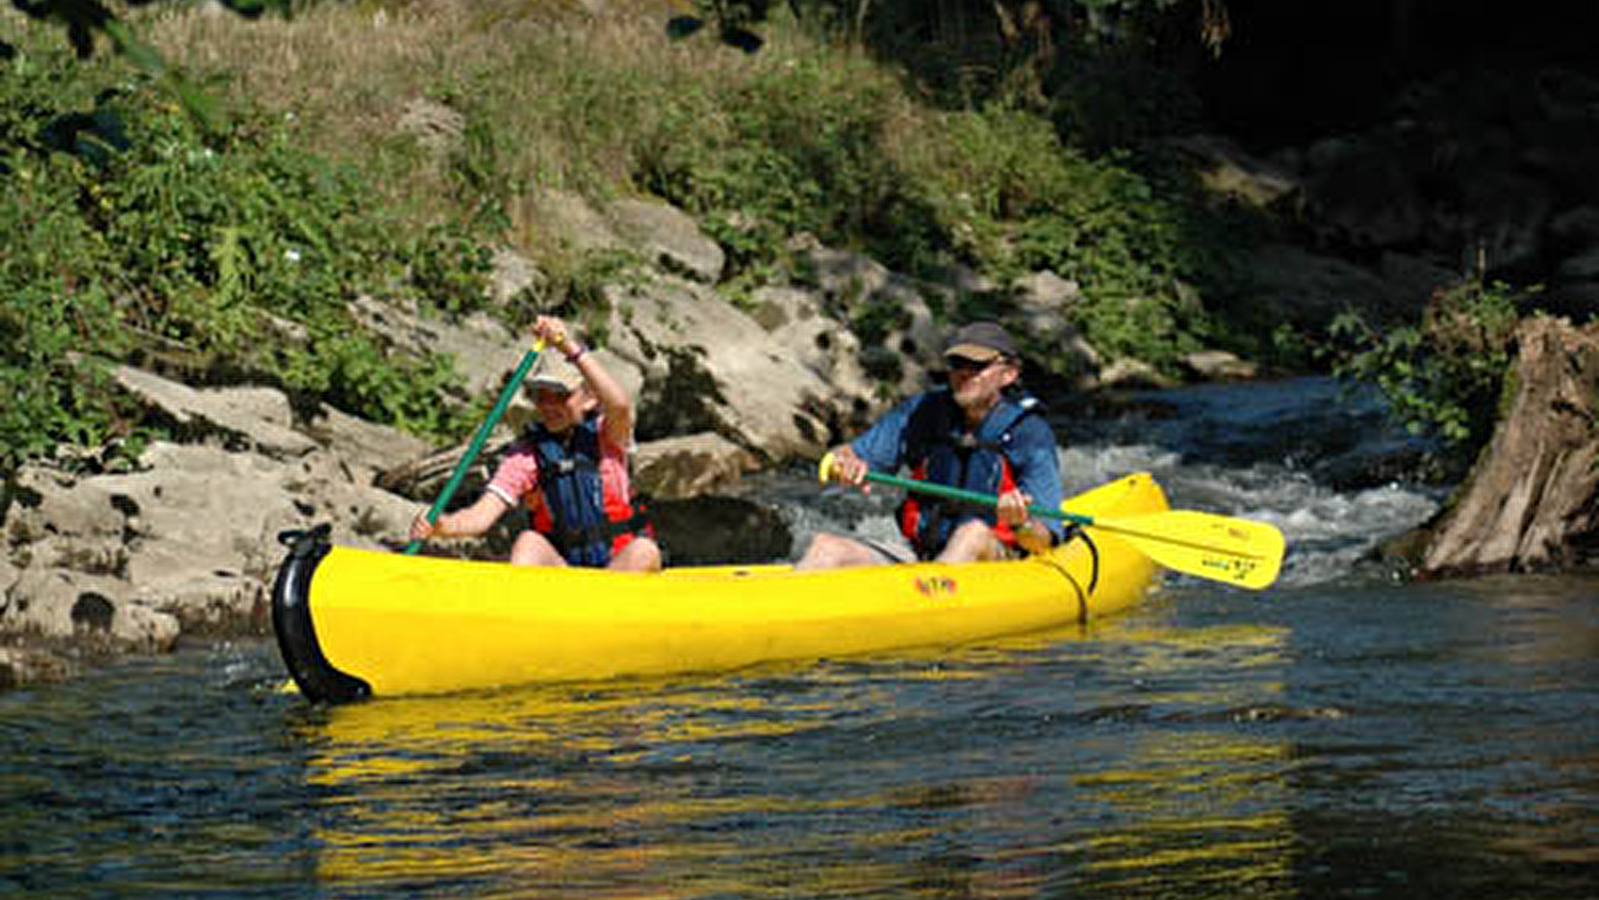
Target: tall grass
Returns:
[130, 232]
[810, 135]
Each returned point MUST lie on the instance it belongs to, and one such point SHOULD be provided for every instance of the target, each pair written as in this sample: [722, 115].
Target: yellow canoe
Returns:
[354, 623]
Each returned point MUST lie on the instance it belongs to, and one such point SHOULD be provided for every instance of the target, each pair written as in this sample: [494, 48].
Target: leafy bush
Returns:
[815, 144]
[791, 148]
[55, 315]
[808, 135]
[216, 247]
[1444, 376]
[1013, 199]
[129, 229]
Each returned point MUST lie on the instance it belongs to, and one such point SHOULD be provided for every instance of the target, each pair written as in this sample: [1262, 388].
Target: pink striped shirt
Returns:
[516, 480]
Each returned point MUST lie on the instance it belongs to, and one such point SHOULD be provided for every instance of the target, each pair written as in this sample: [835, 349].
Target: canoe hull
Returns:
[353, 623]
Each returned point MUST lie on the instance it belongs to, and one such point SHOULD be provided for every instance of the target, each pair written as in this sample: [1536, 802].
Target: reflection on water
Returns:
[1429, 741]
[1334, 737]
[975, 774]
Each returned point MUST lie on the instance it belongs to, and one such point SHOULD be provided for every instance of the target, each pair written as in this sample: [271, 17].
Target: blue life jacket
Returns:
[574, 495]
[940, 449]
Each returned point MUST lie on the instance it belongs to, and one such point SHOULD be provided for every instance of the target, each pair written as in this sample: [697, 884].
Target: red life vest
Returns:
[581, 514]
[944, 452]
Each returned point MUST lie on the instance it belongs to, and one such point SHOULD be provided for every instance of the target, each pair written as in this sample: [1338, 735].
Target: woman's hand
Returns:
[552, 331]
[421, 528]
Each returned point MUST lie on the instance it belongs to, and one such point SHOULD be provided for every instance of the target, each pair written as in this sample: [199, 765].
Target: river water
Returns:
[1343, 734]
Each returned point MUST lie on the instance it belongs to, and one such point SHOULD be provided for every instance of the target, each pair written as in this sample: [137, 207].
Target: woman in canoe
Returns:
[971, 434]
[569, 470]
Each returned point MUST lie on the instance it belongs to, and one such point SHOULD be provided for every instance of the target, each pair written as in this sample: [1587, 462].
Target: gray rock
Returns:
[680, 467]
[1310, 289]
[667, 236]
[1226, 170]
[1359, 192]
[256, 417]
[1042, 321]
[579, 226]
[710, 367]
[1218, 365]
[482, 349]
[102, 612]
[1133, 374]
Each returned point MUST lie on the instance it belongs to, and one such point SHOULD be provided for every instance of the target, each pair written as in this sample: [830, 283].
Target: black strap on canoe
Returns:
[1074, 531]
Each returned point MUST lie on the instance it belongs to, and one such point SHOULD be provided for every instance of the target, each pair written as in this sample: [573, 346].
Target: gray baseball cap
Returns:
[981, 341]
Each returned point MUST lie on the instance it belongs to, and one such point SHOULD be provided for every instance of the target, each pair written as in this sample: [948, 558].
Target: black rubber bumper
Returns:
[317, 679]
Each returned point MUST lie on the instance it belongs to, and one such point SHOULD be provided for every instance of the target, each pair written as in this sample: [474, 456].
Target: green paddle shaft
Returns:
[506, 395]
[1222, 548]
[955, 493]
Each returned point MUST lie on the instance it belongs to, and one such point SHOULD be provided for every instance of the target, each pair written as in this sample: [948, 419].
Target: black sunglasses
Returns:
[967, 364]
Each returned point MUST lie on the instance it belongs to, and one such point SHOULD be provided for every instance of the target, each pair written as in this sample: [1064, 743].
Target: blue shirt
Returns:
[904, 434]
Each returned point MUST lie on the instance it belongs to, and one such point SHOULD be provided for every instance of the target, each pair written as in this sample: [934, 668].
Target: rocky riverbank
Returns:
[185, 544]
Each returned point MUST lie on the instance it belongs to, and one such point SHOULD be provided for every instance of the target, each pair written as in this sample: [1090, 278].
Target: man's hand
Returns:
[848, 468]
[1012, 508]
[1031, 535]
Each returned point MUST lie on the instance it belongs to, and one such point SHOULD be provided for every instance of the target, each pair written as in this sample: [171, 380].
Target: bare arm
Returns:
[615, 403]
[469, 522]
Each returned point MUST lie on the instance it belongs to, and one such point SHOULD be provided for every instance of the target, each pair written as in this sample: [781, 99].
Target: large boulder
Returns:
[678, 468]
[1359, 192]
[100, 611]
[1312, 289]
[186, 543]
[667, 237]
[1230, 173]
[709, 366]
[482, 348]
[1532, 503]
[257, 418]
[904, 338]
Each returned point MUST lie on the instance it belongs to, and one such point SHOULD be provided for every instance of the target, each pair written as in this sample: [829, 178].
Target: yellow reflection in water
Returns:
[529, 784]
[625, 791]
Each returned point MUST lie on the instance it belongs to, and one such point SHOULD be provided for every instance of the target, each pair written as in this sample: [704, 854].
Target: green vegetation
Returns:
[132, 233]
[229, 247]
[1446, 375]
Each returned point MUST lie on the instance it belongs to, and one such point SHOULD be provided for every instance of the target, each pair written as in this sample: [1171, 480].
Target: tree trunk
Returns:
[1532, 501]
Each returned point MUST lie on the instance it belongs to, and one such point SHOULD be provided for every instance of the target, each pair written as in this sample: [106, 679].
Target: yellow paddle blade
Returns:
[1239, 552]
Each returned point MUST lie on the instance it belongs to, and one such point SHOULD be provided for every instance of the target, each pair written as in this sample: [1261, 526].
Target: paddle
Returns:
[1239, 552]
[506, 395]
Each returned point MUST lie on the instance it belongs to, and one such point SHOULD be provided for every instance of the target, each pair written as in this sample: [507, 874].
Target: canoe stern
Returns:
[295, 628]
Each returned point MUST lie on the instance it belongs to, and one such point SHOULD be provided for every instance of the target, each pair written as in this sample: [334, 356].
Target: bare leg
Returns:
[534, 549]
[641, 554]
[833, 551]
[973, 541]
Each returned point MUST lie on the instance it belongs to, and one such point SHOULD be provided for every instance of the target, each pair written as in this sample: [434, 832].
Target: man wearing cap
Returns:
[569, 470]
[971, 434]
